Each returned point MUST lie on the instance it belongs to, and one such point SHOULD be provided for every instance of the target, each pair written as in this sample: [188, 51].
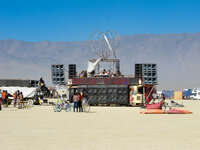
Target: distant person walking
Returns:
[75, 100]
[0, 101]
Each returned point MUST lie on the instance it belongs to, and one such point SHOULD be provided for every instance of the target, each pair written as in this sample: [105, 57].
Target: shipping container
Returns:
[169, 94]
[178, 95]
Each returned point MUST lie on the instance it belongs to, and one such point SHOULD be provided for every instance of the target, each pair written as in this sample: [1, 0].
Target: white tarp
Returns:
[27, 91]
[92, 65]
[62, 90]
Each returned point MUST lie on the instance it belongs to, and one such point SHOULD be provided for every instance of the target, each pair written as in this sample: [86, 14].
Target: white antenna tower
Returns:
[104, 44]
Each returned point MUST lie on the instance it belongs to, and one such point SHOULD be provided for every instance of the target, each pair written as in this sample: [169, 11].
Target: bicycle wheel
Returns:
[24, 105]
[30, 103]
[54, 107]
[86, 106]
[58, 108]
[68, 108]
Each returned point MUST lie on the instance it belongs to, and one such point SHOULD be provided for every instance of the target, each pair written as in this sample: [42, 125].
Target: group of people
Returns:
[110, 74]
[17, 99]
[78, 100]
[104, 72]
[83, 74]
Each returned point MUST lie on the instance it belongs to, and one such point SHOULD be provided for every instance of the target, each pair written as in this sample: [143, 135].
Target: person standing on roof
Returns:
[41, 82]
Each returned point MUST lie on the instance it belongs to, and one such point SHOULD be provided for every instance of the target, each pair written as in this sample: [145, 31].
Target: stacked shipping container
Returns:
[169, 94]
[177, 95]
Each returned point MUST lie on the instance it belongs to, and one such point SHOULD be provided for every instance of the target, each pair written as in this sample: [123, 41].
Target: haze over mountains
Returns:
[177, 56]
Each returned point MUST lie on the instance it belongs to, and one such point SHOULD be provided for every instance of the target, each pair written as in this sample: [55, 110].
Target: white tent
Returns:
[27, 91]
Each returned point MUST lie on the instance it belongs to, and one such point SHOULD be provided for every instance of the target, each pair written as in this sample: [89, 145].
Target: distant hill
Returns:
[177, 56]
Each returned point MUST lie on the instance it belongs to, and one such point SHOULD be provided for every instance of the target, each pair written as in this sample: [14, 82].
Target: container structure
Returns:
[148, 73]
[178, 95]
[169, 94]
[18, 83]
[58, 74]
[111, 86]
[103, 90]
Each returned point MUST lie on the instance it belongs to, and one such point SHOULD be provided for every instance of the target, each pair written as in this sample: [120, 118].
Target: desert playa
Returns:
[104, 128]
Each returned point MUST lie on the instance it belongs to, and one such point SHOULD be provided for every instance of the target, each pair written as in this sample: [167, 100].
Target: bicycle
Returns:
[28, 104]
[64, 105]
[85, 105]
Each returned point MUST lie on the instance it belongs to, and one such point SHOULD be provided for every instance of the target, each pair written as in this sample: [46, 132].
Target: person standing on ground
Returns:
[7, 101]
[75, 100]
[163, 97]
[22, 99]
[4, 98]
[15, 98]
[0, 101]
[18, 99]
[80, 108]
[21, 103]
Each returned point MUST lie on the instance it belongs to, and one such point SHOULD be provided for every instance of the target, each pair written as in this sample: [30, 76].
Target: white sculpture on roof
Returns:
[104, 45]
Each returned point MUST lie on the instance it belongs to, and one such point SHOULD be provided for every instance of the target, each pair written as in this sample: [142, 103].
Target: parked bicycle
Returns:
[86, 105]
[62, 105]
[25, 104]
[28, 104]
[68, 107]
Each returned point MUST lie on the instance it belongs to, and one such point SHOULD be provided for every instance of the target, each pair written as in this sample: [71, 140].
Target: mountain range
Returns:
[177, 57]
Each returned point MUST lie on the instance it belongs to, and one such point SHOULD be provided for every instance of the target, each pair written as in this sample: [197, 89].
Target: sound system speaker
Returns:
[71, 71]
[147, 72]
[108, 94]
[58, 74]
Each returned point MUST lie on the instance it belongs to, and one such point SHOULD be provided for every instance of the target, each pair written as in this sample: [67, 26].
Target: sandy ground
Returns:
[104, 128]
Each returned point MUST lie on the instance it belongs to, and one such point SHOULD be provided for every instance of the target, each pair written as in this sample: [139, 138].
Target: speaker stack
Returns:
[71, 71]
[108, 94]
[58, 74]
[146, 72]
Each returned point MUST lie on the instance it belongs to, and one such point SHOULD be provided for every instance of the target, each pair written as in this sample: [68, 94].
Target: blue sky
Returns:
[76, 20]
